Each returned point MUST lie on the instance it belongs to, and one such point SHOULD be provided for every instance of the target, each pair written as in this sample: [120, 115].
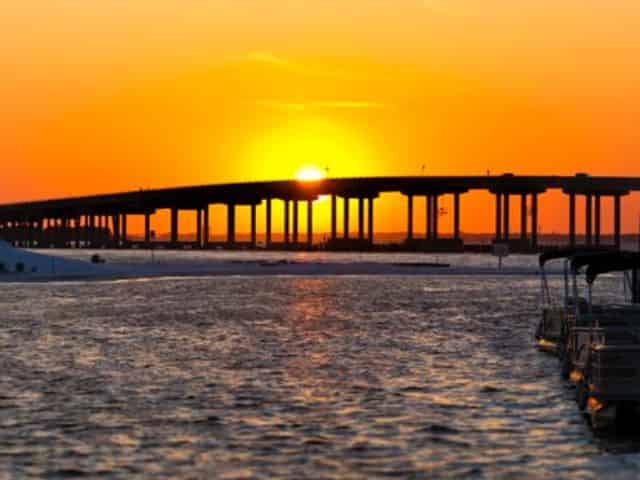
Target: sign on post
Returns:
[500, 250]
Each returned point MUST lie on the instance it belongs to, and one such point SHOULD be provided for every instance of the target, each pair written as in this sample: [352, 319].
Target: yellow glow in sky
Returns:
[311, 147]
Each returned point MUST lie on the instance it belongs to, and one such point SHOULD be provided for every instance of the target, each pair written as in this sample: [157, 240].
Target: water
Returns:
[264, 377]
[199, 257]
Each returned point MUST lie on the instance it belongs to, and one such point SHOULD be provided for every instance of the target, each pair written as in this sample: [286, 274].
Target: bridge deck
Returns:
[102, 219]
[254, 192]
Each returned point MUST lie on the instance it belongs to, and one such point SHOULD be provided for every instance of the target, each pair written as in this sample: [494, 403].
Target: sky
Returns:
[112, 96]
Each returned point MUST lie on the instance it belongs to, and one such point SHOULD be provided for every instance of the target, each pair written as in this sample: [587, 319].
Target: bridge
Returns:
[101, 220]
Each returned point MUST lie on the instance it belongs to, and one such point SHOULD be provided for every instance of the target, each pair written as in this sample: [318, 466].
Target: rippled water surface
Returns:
[263, 377]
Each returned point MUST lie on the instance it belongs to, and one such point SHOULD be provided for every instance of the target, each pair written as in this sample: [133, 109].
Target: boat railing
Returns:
[611, 324]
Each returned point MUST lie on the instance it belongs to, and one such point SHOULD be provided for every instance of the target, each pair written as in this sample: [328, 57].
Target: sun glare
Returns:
[309, 173]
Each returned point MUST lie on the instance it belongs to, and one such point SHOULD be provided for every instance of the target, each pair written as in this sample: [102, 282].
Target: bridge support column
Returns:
[199, 227]
[617, 221]
[434, 217]
[92, 231]
[42, 239]
[206, 227]
[55, 232]
[295, 222]
[26, 233]
[534, 220]
[78, 230]
[74, 232]
[96, 233]
[456, 216]
[268, 223]
[84, 223]
[588, 219]
[124, 230]
[360, 218]
[498, 217]
[104, 226]
[33, 239]
[506, 217]
[174, 227]
[598, 218]
[286, 222]
[84, 220]
[231, 224]
[38, 233]
[64, 232]
[523, 217]
[572, 219]
[110, 226]
[334, 222]
[429, 215]
[370, 226]
[116, 230]
[346, 218]
[253, 226]
[29, 233]
[147, 230]
[89, 231]
[409, 217]
[309, 223]
[61, 233]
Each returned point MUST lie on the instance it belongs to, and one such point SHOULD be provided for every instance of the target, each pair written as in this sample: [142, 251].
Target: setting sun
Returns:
[308, 148]
[310, 173]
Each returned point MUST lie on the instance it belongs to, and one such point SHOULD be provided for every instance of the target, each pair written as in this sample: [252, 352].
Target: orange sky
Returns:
[109, 96]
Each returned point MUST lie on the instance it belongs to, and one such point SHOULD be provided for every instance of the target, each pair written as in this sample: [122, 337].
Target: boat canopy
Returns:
[569, 252]
[605, 262]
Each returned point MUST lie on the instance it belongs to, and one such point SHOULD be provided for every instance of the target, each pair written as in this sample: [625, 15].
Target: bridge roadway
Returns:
[101, 220]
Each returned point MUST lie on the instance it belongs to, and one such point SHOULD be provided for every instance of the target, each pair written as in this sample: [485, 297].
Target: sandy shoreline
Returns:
[40, 267]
